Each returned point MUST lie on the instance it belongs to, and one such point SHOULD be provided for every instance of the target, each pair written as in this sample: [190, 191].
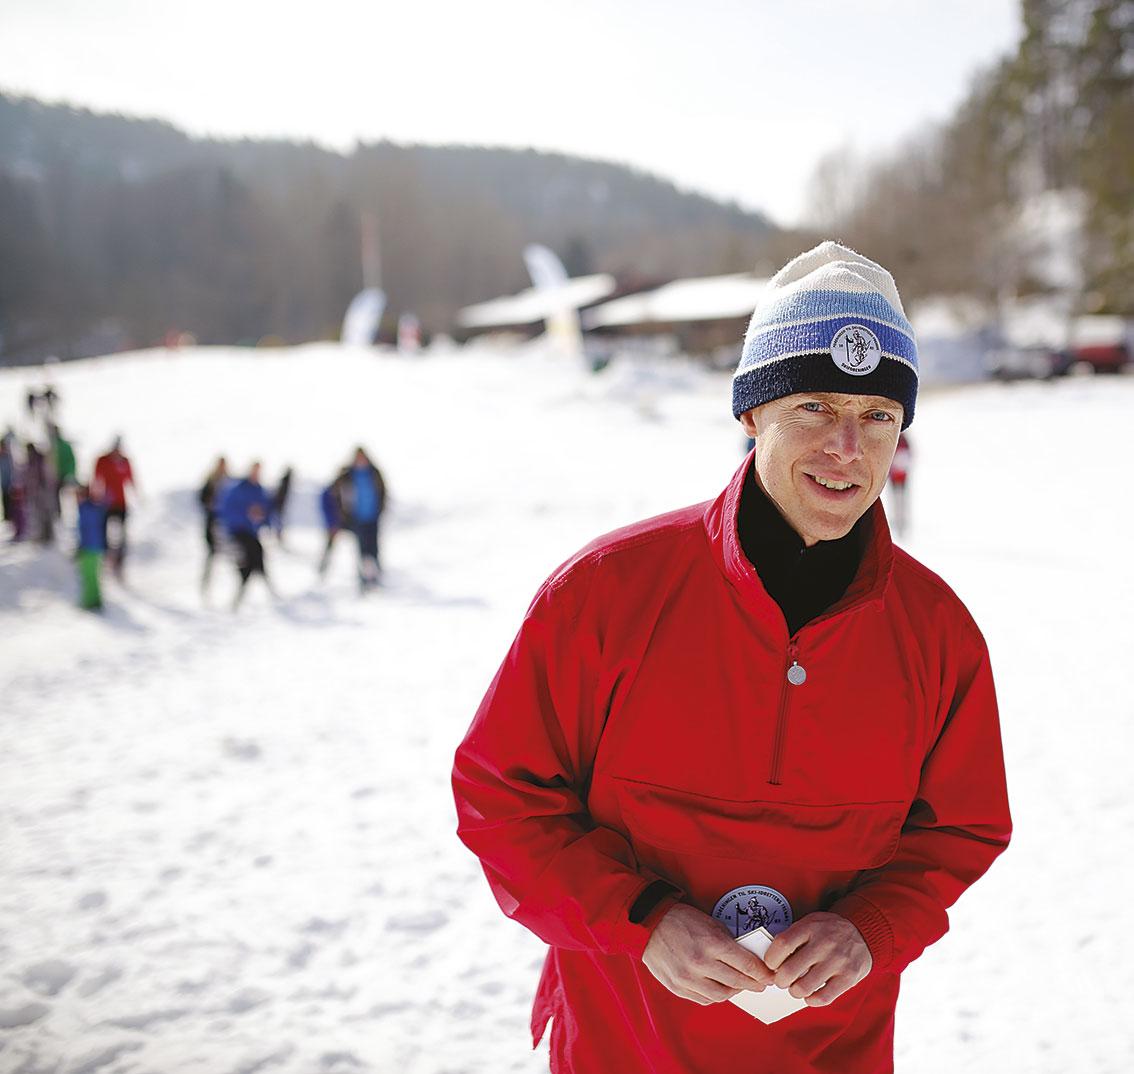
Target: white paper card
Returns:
[773, 1003]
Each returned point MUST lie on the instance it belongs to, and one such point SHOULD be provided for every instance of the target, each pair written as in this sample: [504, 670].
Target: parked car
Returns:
[1100, 344]
[1027, 363]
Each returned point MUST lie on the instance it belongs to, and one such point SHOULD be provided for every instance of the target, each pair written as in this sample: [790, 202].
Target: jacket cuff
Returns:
[651, 897]
[872, 923]
[659, 896]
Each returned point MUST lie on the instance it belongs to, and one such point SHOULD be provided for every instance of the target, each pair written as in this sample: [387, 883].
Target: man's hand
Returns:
[695, 958]
[819, 958]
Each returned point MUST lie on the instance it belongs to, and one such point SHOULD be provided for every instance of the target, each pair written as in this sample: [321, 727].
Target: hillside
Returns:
[131, 228]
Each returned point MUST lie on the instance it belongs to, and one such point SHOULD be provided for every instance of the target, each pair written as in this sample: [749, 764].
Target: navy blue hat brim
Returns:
[817, 373]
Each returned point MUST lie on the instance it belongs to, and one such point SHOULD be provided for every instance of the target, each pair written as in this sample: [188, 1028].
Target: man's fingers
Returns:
[744, 962]
[785, 945]
[830, 992]
[734, 979]
[795, 967]
[810, 982]
[715, 992]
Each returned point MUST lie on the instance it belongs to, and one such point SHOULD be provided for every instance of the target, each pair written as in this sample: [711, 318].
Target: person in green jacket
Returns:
[63, 461]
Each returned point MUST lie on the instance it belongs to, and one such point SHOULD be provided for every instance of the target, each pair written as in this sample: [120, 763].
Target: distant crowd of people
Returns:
[39, 473]
[237, 511]
[42, 487]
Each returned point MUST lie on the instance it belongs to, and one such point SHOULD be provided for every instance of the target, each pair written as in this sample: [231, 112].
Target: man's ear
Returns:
[748, 423]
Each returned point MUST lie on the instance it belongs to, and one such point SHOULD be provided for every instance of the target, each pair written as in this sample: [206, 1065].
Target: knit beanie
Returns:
[828, 321]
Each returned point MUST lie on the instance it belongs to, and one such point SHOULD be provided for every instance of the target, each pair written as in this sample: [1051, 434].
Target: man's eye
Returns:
[881, 415]
[812, 406]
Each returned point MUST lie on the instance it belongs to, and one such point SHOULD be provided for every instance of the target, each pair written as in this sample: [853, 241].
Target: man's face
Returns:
[822, 458]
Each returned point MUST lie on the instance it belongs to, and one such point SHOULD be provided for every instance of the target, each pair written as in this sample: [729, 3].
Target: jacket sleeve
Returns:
[957, 826]
[520, 782]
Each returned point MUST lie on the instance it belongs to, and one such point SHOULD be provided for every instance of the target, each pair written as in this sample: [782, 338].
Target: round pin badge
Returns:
[751, 907]
[856, 350]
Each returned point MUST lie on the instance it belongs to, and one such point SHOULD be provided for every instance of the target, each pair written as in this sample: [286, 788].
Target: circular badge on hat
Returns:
[752, 907]
[856, 350]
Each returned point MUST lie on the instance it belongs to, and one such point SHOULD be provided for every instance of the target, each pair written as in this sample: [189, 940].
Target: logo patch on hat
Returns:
[744, 909]
[856, 350]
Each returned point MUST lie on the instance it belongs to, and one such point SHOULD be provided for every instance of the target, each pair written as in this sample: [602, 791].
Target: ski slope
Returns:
[228, 839]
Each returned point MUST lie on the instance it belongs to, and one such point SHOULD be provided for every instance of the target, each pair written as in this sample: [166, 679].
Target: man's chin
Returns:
[833, 529]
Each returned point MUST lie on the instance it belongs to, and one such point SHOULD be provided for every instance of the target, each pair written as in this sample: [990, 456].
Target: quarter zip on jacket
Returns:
[780, 740]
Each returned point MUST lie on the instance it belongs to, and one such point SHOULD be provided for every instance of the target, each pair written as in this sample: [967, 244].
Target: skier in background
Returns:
[17, 493]
[899, 474]
[209, 497]
[92, 545]
[363, 498]
[7, 475]
[330, 504]
[244, 510]
[112, 473]
[279, 504]
[38, 496]
[63, 461]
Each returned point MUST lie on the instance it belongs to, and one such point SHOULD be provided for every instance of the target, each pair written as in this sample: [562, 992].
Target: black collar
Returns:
[803, 581]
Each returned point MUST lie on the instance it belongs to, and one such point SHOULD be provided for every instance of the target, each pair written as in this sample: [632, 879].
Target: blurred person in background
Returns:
[899, 476]
[245, 509]
[39, 495]
[91, 546]
[42, 403]
[17, 502]
[112, 473]
[7, 474]
[754, 712]
[363, 495]
[49, 400]
[209, 497]
[279, 504]
[331, 508]
[63, 462]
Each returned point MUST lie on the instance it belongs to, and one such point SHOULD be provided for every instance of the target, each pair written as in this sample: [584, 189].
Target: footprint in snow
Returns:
[426, 922]
[242, 749]
[92, 900]
[50, 977]
[28, 1014]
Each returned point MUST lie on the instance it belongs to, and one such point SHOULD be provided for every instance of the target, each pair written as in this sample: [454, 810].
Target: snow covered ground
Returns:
[227, 840]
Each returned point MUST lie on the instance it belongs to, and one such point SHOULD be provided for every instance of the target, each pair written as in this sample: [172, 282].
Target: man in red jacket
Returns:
[112, 473]
[754, 713]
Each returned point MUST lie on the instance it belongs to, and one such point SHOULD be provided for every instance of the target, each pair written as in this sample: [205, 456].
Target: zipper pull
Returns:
[796, 674]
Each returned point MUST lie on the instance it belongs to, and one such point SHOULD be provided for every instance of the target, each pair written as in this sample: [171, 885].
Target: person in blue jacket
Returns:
[92, 546]
[331, 507]
[363, 496]
[245, 509]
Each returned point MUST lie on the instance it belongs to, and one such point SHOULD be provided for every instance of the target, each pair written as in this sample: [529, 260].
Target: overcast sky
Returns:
[736, 98]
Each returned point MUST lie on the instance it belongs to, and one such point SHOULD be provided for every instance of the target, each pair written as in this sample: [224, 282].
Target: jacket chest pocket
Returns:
[835, 837]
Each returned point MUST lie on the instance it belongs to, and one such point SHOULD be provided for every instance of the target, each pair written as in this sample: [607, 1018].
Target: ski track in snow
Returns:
[228, 839]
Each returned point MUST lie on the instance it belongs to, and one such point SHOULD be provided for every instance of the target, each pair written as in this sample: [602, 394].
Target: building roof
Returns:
[536, 304]
[704, 298]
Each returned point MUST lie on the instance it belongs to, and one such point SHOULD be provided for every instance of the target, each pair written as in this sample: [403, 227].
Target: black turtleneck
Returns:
[803, 581]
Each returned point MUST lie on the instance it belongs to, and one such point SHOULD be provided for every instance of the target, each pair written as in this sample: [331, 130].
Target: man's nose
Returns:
[845, 440]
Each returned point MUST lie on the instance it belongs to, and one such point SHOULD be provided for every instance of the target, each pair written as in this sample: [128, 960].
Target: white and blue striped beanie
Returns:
[828, 321]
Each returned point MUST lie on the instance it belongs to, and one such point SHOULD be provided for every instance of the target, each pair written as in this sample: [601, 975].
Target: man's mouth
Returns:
[831, 483]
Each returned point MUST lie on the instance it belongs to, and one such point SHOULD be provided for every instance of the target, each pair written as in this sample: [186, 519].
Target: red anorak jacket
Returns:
[643, 726]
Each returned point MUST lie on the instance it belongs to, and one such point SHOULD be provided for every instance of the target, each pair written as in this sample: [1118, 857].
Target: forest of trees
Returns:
[948, 212]
[130, 223]
[116, 231]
